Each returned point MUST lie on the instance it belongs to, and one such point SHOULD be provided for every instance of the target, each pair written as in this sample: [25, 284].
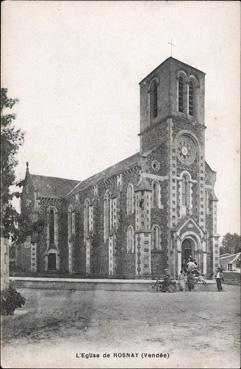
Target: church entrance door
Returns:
[52, 261]
[188, 249]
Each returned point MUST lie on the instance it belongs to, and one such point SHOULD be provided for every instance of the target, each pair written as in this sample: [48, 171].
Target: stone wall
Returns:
[232, 277]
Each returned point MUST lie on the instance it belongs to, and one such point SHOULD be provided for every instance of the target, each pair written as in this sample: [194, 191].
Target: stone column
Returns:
[179, 256]
[205, 262]
[179, 261]
[70, 257]
[204, 257]
[87, 260]
[111, 255]
[57, 261]
[34, 257]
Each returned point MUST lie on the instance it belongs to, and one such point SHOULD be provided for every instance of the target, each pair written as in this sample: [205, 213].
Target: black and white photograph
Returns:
[120, 184]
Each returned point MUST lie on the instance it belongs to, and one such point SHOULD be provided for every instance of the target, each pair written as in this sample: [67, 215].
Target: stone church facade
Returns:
[143, 215]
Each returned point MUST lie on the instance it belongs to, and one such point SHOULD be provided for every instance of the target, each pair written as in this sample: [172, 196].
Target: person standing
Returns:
[166, 281]
[219, 279]
[182, 281]
[191, 266]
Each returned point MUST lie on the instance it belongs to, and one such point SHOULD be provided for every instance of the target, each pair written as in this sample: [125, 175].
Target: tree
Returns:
[11, 140]
[231, 244]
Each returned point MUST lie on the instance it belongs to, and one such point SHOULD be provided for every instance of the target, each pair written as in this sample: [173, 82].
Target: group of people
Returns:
[189, 275]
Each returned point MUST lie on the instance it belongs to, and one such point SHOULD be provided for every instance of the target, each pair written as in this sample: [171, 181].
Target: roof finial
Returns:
[171, 44]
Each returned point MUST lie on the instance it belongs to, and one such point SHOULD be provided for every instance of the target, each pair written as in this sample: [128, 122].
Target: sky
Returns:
[75, 68]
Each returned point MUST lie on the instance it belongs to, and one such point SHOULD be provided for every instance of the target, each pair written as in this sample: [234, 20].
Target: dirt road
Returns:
[60, 328]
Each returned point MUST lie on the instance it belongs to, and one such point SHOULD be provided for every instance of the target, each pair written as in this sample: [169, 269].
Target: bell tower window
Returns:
[153, 99]
[180, 94]
[191, 97]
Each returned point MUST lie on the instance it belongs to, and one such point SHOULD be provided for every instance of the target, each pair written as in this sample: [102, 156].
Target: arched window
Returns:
[191, 97]
[156, 242]
[185, 190]
[106, 214]
[110, 214]
[51, 226]
[86, 218]
[156, 194]
[71, 221]
[52, 238]
[180, 94]
[130, 199]
[153, 99]
[130, 240]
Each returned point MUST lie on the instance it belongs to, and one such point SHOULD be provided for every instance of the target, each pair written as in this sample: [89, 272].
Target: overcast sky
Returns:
[75, 67]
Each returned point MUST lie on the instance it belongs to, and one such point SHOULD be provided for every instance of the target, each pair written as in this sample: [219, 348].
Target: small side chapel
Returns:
[143, 215]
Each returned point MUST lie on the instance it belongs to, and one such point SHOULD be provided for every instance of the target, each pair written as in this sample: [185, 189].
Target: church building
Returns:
[143, 215]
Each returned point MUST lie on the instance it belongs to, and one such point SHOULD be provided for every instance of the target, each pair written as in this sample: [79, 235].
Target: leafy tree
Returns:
[11, 140]
[231, 244]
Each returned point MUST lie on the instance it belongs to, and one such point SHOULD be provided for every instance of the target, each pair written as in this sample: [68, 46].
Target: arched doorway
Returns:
[52, 261]
[188, 249]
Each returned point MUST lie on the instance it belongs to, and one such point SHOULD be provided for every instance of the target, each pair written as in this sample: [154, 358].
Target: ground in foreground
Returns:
[197, 329]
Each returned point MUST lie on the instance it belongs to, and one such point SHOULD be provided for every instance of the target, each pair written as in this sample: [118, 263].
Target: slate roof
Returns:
[230, 258]
[208, 168]
[115, 169]
[60, 187]
[167, 61]
[52, 186]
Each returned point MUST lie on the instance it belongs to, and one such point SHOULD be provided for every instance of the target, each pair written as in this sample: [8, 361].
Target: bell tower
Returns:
[173, 89]
[172, 146]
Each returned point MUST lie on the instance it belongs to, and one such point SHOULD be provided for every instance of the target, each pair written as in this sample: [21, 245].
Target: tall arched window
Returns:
[153, 99]
[51, 226]
[130, 240]
[180, 94]
[106, 214]
[71, 221]
[191, 98]
[156, 194]
[185, 190]
[86, 218]
[156, 241]
[130, 199]
[110, 214]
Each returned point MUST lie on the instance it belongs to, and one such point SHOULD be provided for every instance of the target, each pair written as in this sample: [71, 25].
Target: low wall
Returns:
[94, 284]
[232, 277]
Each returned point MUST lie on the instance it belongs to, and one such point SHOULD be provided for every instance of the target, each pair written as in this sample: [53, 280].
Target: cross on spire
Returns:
[171, 44]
